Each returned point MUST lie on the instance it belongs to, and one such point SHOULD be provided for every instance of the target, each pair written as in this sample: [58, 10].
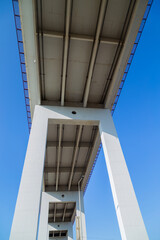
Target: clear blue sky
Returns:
[137, 119]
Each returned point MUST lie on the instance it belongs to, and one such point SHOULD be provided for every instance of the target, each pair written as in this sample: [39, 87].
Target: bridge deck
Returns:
[76, 51]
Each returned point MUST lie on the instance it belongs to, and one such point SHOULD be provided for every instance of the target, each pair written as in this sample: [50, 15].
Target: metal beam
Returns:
[59, 219]
[43, 189]
[65, 207]
[91, 159]
[58, 155]
[71, 104]
[135, 22]
[64, 169]
[80, 37]
[74, 214]
[94, 51]
[75, 155]
[59, 211]
[68, 144]
[52, 188]
[66, 46]
[55, 212]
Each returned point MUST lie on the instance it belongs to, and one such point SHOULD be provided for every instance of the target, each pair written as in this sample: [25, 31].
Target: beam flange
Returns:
[59, 219]
[52, 188]
[65, 207]
[92, 157]
[55, 212]
[68, 144]
[75, 155]
[58, 155]
[71, 104]
[94, 51]
[135, 22]
[59, 211]
[63, 169]
[65, 53]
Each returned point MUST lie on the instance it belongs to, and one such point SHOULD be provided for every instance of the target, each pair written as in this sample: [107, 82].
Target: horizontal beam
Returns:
[71, 104]
[52, 188]
[59, 219]
[68, 144]
[80, 37]
[59, 211]
[64, 169]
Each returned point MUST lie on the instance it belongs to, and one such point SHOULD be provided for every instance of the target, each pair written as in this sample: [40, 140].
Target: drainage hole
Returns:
[74, 112]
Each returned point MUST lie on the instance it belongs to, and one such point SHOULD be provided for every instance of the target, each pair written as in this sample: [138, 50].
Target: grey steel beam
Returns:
[80, 37]
[52, 188]
[68, 144]
[58, 155]
[59, 211]
[107, 40]
[64, 169]
[135, 22]
[55, 212]
[94, 52]
[66, 46]
[43, 182]
[90, 164]
[73, 214]
[75, 155]
[59, 219]
[64, 212]
[71, 104]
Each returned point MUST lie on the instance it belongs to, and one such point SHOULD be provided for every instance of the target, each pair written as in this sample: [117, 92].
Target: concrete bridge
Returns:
[75, 55]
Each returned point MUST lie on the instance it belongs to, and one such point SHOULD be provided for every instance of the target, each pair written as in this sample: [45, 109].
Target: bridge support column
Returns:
[128, 213]
[25, 221]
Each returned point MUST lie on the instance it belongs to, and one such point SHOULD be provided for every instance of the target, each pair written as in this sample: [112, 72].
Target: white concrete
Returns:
[81, 216]
[25, 219]
[28, 202]
[128, 213]
[27, 13]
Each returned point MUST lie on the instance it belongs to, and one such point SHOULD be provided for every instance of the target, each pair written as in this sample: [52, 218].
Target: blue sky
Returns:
[137, 120]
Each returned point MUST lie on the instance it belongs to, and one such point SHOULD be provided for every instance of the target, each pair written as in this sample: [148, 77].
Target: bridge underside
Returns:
[70, 155]
[79, 44]
[76, 51]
